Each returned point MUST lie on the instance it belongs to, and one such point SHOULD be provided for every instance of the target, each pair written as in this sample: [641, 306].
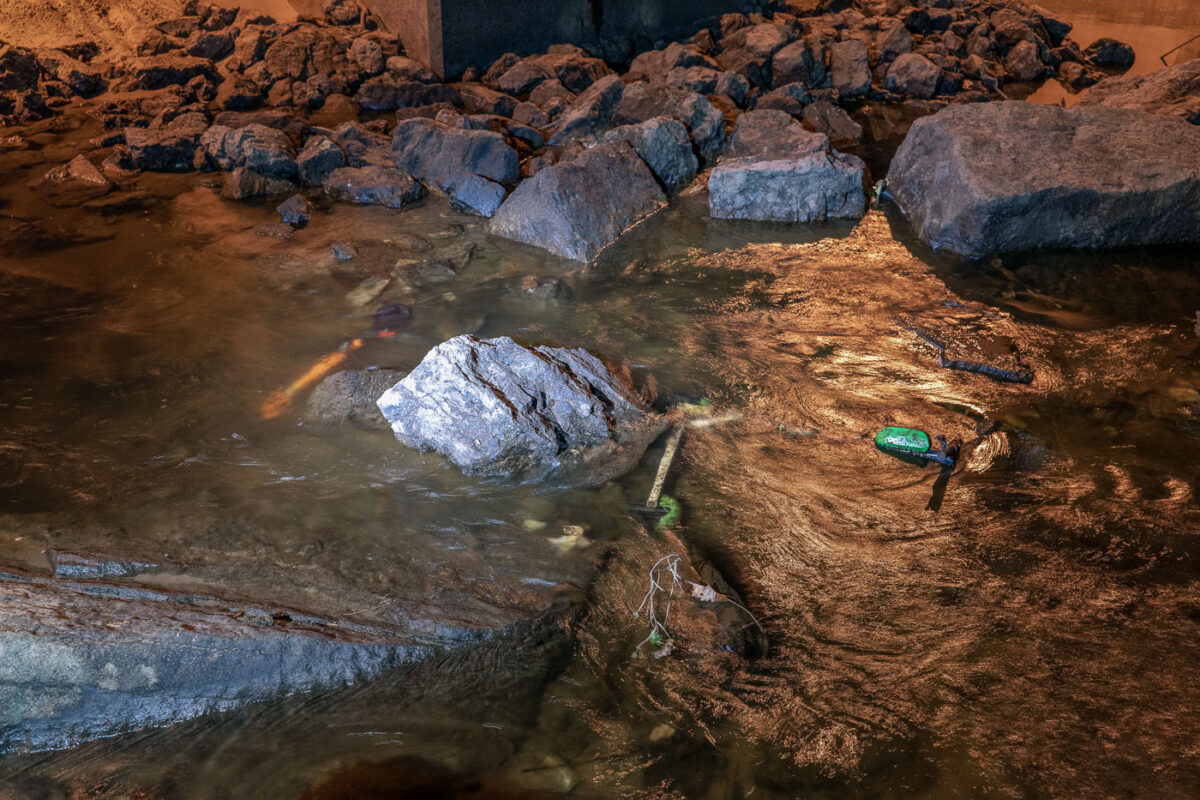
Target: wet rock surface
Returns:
[776, 170]
[501, 410]
[1013, 176]
[578, 207]
[1172, 91]
[351, 397]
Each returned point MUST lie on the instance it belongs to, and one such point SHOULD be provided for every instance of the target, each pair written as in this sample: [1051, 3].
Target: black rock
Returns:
[295, 210]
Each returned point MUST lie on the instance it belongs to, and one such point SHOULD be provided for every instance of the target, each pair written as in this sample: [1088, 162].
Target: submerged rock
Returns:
[998, 177]
[1173, 91]
[578, 207]
[350, 397]
[378, 186]
[498, 409]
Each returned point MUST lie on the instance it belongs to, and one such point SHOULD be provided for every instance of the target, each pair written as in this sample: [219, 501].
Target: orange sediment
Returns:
[278, 402]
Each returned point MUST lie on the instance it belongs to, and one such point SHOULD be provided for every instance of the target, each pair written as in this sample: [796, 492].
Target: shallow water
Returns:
[1024, 627]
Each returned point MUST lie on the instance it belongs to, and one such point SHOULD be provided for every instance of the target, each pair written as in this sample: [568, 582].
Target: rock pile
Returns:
[333, 104]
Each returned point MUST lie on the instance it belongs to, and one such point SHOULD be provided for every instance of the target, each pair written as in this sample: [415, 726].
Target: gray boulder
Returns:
[265, 150]
[996, 177]
[440, 155]
[349, 397]
[778, 171]
[802, 61]
[577, 207]
[388, 92]
[850, 63]
[645, 101]
[475, 194]
[913, 75]
[498, 409]
[244, 182]
[1173, 92]
[588, 113]
[574, 71]
[833, 121]
[319, 157]
[373, 186]
[664, 145]
[167, 148]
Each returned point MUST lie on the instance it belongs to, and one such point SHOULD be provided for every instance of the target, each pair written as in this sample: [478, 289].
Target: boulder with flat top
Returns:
[995, 177]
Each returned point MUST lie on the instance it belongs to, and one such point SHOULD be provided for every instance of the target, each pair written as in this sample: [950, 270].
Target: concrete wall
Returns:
[451, 35]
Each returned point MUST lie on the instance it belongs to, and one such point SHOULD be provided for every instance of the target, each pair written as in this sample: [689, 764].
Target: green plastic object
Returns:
[674, 511]
[903, 440]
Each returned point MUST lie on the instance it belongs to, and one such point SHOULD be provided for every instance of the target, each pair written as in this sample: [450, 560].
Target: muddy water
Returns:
[1024, 627]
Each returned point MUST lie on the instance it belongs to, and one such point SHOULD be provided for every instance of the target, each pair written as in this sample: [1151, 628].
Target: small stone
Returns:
[344, 251]
[295, 210]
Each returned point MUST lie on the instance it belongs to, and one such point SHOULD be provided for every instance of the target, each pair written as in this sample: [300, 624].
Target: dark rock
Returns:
[778, 171]
[755, 68]
[575, 72]
[479, 99]
[342, 12]
[1078, 76]
[1055, 27]
[438, 154]
[179, 27]
[590, 112]
[295, 210]
[243, 182]
[761, 40]
[530, 114]
[892, 41]
[645, 101]
[373, 186]
[349, 397]
[209, 44]
[319, 157]
[169, 148]
[287, 56]
[1024, 63]
[1108, 52]
[18, 68]
[663, 143]
[84, 79]
[1172, 91]
[497, 409]
[913, 75]
[578, 207]
[498, 67]
[156, 44]
[390, 317]
[551, 90]
[265, 150]
[824, 117]
[653, 64]
[238, 94]
[474, 194]
[802, 61]
[367, 55]
[157, 72]
[363, 147]
[850, 65]
[996, 177]
[387, 92]
[769, 133]
[407, 69]
[344, 251]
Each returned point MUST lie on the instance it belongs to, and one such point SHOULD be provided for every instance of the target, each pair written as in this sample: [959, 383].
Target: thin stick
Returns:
[664, 466]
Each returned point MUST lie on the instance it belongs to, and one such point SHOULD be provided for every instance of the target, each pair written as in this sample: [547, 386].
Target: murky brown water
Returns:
[1025, 628]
